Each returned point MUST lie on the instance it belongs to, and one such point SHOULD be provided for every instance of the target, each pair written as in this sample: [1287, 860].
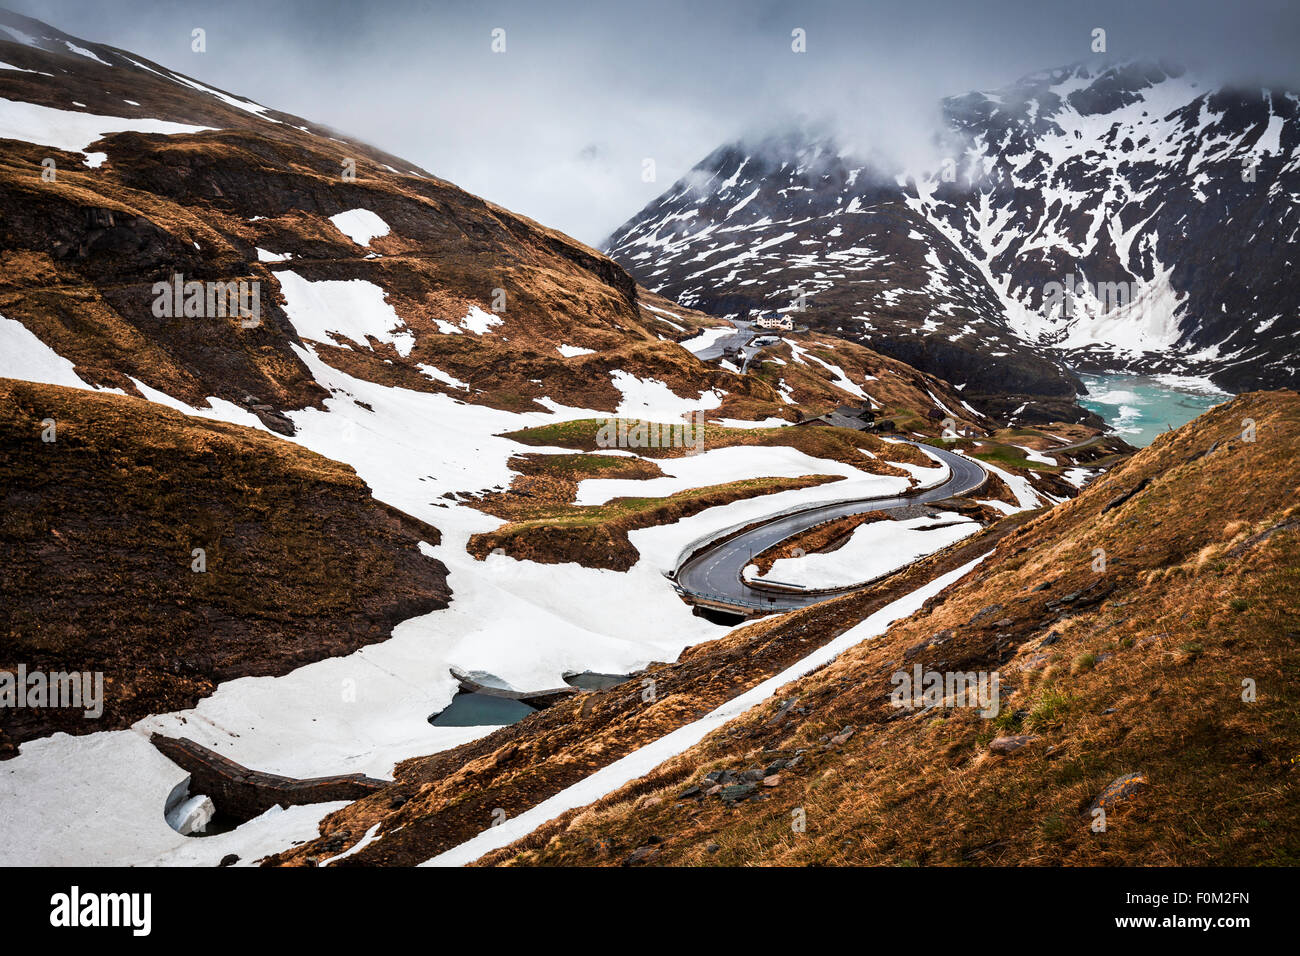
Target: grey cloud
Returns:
[558, 127]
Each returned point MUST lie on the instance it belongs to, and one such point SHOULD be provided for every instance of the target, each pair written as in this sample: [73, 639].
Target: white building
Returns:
[774, 320]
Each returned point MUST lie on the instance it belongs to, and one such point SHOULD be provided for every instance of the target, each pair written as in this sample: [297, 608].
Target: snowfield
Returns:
[369, 710]
[873, 550]
[98, 800]
[651, 399]
[352, 308]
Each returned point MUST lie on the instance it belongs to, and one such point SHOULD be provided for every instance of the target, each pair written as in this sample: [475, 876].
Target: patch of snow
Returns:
[1026, 496]
[478, 321]
[352, 308]
[746, 423]
[248, 106]
[651, 399]
[1035, 456]
[82, 51]
[71, 130]
[706, 339]
[10, 66]
[357, 847]
[1079, 476]
[663, 313]
[360, 225]
[873, 550]
[440, 376]
[218, 409]
[24, 356]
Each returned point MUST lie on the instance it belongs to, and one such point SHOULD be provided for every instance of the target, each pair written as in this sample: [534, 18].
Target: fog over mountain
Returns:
[559, 126]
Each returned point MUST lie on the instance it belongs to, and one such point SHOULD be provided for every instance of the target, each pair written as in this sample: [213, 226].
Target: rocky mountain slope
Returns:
[171, 553]
[1144, 636]
[1092, 217]
[440, 291]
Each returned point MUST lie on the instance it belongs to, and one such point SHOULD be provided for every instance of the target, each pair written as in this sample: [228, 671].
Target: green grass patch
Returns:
[836, 444]
[596, 535]
[1050, 707]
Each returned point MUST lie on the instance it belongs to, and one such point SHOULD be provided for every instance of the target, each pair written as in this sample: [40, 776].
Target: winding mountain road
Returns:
[713, 574]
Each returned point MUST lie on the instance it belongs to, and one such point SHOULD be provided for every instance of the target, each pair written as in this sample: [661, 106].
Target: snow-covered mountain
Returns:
[1112, 217]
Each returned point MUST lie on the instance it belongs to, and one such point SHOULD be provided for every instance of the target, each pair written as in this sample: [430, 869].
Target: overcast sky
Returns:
[559, 125]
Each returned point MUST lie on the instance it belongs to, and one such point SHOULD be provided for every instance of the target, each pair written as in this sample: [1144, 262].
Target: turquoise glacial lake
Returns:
[1140, 407]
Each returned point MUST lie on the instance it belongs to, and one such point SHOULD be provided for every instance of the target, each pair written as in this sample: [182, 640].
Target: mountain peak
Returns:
[1106, 176]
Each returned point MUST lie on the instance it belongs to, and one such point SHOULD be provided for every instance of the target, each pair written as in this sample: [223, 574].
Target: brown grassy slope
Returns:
[97, 531]
[444, 799]
[79, 256]
[1137, 668]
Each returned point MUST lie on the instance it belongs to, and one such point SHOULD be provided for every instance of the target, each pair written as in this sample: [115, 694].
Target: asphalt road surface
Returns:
[736, 340]
[714, 573]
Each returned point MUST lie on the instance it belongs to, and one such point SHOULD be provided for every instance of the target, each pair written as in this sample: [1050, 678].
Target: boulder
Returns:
[1005, 746]
[737, 792]
[1120, 790]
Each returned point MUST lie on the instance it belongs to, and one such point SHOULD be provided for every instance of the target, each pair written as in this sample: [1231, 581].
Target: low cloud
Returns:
[558, 127]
